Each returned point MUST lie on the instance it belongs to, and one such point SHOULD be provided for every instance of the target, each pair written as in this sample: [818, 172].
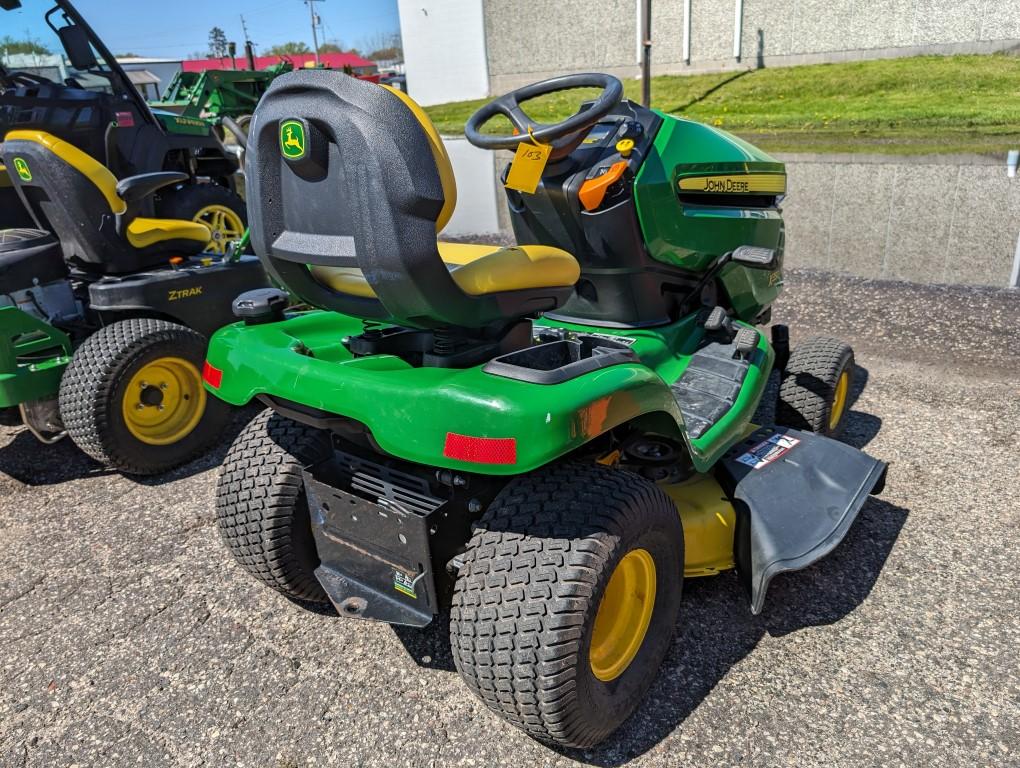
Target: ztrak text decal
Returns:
[185, 293]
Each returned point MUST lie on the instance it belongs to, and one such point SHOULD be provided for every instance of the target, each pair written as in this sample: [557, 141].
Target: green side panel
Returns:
[33, 356]
[691, 236]
[409, 410]
[181, 124]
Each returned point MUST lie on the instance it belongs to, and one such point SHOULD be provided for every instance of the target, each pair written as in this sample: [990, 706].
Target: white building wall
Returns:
[444, 50]
[479, 193]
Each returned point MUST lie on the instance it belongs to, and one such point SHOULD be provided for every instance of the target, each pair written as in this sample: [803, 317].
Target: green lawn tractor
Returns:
[80, 94]
[219, 93]
[103, 323]
[546, 438]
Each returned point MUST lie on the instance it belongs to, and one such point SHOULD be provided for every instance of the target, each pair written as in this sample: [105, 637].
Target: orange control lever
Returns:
[593, 191]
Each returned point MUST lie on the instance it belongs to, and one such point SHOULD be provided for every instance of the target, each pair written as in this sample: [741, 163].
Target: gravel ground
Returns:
[128, 636]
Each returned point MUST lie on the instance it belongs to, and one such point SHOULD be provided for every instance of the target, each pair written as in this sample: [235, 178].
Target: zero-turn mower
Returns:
[103, 323]
[81, 94]
[549, 437]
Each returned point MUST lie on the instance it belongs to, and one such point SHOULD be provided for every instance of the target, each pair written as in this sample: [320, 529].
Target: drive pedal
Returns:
[718, 320]
[746, 342]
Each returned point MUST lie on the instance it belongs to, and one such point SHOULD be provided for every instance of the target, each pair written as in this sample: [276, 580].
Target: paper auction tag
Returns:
[527, 166]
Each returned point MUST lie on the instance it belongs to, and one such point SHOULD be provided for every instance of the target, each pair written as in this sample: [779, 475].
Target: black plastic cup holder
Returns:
[561, 360]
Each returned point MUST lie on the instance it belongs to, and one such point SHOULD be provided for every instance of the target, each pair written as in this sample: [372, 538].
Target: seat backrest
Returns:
[77, 196]
[344, 173]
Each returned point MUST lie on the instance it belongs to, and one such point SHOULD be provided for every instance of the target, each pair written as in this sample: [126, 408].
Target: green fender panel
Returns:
[33, 356]
[410, 410]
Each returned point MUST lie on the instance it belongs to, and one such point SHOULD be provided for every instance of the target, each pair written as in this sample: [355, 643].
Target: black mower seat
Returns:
[29, 257]
[477, 269]
[97, 218]
[349, 184]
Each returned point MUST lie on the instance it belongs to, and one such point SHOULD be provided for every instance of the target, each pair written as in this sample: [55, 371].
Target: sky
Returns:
[178, 28]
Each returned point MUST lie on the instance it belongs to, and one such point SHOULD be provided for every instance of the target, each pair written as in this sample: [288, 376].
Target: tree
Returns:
[393, 53]
[288, 49]
[330, 48]
[128, 56]
[383, 46]
[217, 43]
[10, 46]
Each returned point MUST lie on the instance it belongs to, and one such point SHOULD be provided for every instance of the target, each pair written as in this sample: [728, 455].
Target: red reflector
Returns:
[212, 376]
[481, 450]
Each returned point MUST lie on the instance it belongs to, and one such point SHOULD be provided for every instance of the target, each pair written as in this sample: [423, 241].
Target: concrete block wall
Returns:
[527, 40]
[943, 219]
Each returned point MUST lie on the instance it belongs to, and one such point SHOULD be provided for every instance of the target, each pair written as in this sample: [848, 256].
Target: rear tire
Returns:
[101, 397]
[816, 385]
[535, 575]
[261, 505]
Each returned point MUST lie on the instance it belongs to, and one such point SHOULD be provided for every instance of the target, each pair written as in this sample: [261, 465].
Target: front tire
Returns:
[261, 505]
[566, 603]
[816, 385]
[132, 397]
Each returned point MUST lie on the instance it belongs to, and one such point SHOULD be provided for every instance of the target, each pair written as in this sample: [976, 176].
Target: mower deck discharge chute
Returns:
[545, 437]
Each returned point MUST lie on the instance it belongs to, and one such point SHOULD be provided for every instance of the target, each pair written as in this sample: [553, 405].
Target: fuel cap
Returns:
[263, 305]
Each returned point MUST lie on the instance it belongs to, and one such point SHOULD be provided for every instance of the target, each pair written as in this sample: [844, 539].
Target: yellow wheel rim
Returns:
[839, 399]
[164, 401]
[623, 615]
[224, 223]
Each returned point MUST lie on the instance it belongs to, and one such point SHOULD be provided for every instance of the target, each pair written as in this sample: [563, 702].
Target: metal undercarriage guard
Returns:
[796, 495]
[375, 560]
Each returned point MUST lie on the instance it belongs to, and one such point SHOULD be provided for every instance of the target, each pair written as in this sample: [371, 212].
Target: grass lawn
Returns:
[920, 105]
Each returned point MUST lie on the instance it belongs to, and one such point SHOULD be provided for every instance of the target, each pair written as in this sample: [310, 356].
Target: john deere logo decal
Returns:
[292, 139]
[22, 168]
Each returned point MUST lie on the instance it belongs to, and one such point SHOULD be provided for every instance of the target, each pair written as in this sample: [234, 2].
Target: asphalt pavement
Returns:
[128, 637]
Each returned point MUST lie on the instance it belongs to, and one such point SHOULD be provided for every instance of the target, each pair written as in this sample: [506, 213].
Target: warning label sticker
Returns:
[768, 451]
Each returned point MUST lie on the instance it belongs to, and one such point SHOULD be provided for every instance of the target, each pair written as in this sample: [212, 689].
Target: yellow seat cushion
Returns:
[142, 233]
[478, 270]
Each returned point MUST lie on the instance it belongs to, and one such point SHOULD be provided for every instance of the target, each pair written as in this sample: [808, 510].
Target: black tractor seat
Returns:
[29, 257]
[348, 185]
[104, 225]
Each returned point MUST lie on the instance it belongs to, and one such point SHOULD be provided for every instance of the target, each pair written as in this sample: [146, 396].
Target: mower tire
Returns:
[815, 391]
[567, 599]
[132, 397]
[261, 505]
[219, 208]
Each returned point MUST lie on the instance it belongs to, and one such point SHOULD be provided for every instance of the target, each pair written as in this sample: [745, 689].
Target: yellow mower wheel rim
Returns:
[164, 401]
[623, 616]
[224, 223]
[839, 399]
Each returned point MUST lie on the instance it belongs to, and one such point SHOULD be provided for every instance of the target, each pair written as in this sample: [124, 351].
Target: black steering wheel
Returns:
[564, 135]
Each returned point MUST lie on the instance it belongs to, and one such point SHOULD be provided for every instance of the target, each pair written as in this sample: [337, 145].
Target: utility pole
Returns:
[249, 46]
[315, 23]
[646, 52]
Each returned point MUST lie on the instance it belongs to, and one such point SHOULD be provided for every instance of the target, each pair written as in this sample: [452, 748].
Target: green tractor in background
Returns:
[219, 93]
[543, 439]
